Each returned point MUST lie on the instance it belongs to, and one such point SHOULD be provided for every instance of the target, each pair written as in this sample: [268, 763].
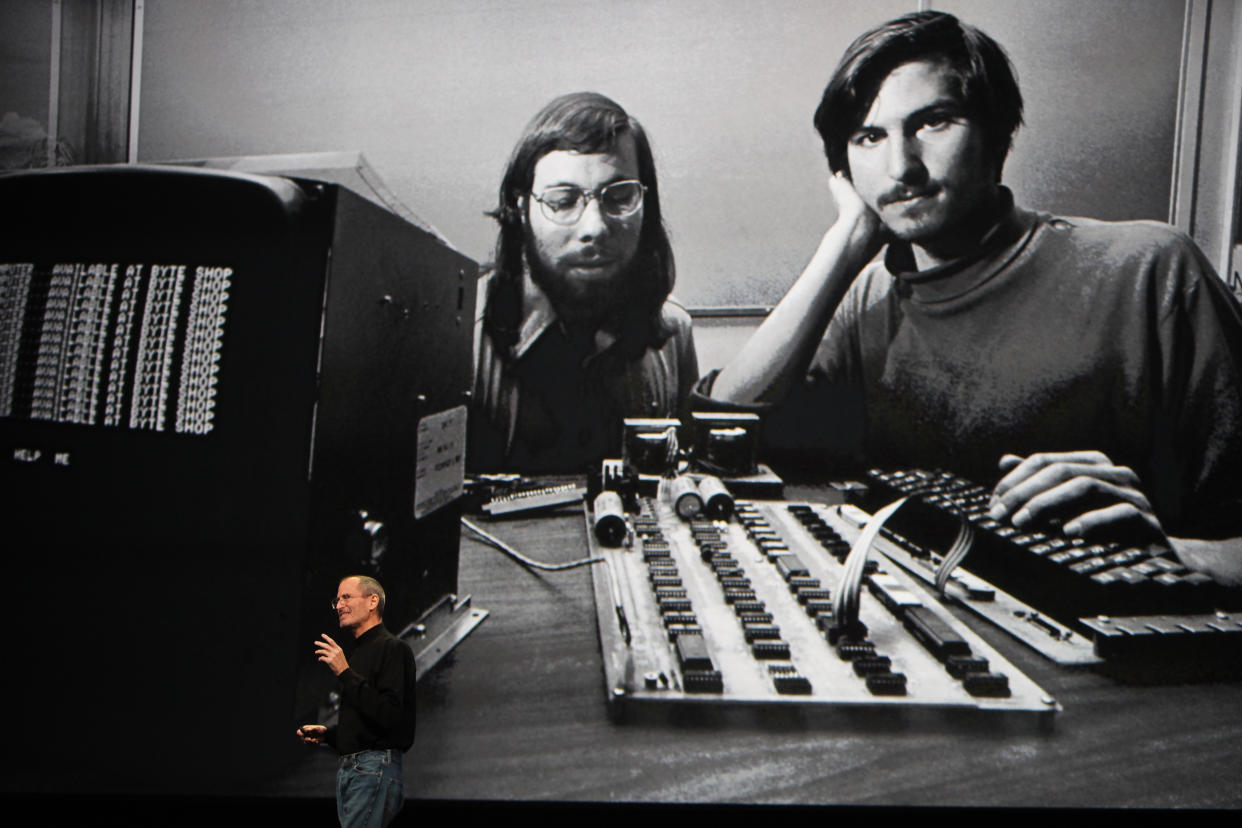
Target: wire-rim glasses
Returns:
[565, 205]
[342, 599]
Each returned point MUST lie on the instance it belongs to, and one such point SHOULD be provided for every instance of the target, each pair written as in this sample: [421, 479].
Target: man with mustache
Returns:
[576, 329]
[1092, 370]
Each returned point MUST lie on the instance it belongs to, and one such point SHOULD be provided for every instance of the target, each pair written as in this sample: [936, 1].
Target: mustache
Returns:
[590, 260]
[903, 193]
[592, 254]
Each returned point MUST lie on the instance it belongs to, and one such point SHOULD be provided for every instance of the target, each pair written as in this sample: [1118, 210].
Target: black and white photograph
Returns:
[413, 409]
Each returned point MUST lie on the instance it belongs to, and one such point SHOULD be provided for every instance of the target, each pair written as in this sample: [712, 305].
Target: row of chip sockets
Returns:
[938, 638]
[851, 640]
[758, 629]
[926, 627]
[698, 673]
[756, 621]
[807, 590]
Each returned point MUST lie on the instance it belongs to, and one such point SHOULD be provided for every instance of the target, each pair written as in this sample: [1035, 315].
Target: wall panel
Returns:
[435, 94]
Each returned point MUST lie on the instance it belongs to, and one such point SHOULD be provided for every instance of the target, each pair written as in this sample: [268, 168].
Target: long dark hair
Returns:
[584, 122]
[986, 83]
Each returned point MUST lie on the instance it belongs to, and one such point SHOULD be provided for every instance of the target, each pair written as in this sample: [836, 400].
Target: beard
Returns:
[587, 302]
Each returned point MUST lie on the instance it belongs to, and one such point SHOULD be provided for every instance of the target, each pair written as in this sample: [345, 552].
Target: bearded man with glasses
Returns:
[576, 329]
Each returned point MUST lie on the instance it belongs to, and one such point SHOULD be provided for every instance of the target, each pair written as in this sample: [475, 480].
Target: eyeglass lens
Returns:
[566, 204]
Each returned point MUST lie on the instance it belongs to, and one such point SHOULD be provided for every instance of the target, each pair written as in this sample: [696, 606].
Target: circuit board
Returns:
[739, 611]
[1034, 628]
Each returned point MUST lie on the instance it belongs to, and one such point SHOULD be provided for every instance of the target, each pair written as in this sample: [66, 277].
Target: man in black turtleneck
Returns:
[1091, 370]
[376, 724]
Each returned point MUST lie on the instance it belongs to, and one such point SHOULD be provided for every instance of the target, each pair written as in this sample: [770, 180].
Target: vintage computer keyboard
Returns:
[1133, 602]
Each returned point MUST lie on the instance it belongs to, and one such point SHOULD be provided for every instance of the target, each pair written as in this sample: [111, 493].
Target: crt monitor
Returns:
[219, 393]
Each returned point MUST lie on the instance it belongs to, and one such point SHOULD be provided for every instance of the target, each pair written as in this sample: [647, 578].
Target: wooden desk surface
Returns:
[517, 711]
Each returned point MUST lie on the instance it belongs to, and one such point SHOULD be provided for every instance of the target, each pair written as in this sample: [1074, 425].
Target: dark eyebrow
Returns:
[617, 178]
[941, 106]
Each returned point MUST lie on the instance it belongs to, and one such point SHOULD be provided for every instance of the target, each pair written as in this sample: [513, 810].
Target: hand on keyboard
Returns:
[1083, 491]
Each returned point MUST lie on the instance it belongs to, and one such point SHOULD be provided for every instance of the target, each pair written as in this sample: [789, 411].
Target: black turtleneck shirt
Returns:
[377, 695]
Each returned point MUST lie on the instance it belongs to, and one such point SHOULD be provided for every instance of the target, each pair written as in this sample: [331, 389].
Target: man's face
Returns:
[917, 160]
[352, 607]
[580, 265]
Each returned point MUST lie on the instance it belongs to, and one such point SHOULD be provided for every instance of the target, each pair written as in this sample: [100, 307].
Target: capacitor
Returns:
[684, 496]
[717, 502]
[609, 513]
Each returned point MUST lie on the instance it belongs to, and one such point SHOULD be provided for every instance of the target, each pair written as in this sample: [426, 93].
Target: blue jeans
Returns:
[369, 788]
